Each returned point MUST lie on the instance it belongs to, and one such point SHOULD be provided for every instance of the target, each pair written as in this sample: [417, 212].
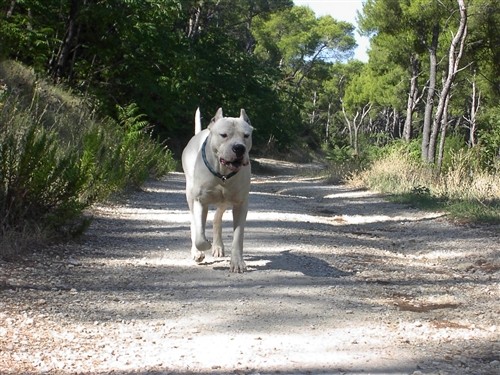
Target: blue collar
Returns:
[214, 172]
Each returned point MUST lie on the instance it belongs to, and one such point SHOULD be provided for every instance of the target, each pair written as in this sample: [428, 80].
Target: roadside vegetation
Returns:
[464, 189]
[57, 157]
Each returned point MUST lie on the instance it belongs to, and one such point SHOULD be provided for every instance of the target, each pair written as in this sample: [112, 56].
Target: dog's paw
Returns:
[237, 266]
[217, 251]
[198, 256]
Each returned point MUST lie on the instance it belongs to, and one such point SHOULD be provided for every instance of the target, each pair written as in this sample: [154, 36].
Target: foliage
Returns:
[287, 67]
[41, 184]
[463, 190]
[141, 157]
[297, 44]
[339, 154]
[488, 149]
[51, 170]
[155, 61]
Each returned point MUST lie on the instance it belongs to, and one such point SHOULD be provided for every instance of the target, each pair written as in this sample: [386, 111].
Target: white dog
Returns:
[217, 169]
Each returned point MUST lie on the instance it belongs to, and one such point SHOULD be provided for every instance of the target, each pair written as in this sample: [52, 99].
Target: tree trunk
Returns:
[355, 125]
[453, 63]
[61, 67]
[364, 113]
[396, 125]
[349, 125]
[327, 130]
[412, 97]
[429, 106]
[10, 11]
[313, 114]
[194, 22]
[472, 120]
[444, 127]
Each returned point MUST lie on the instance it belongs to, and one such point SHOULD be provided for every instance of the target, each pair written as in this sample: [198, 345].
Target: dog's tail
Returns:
[197, 121]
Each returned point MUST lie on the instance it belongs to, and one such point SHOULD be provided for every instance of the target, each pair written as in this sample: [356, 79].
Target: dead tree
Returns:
[355, 124]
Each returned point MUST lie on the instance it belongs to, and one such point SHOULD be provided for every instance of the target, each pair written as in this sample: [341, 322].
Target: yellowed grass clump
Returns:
[398, 173]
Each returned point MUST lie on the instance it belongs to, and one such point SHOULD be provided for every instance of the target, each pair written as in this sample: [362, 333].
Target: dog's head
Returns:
[231, 139]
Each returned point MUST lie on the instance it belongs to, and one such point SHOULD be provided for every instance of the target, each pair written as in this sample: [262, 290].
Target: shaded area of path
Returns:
[339, 281]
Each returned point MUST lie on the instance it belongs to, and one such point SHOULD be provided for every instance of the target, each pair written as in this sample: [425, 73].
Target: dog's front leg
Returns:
[198, 238]
[218, 245]
[239, 219]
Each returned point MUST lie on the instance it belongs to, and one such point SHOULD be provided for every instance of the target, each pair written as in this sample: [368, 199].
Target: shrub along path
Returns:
[339, 281]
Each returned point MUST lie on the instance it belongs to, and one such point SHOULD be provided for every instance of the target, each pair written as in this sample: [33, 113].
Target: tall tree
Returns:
[455, 54]
[331, 91]
[390, 24]
[431, 88]
[294, 40]
[61, 66]
[413, 97]
[357, 104]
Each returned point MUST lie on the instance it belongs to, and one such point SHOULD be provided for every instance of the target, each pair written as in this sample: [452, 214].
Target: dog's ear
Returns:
[218, 115]
[244, 117]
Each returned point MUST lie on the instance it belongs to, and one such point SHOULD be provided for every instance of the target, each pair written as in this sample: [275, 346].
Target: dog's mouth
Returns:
[233, 165]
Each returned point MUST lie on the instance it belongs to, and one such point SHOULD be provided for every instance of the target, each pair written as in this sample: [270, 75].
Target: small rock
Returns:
[73, 262]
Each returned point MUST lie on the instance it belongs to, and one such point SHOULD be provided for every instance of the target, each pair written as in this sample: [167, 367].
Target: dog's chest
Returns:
[221, 193]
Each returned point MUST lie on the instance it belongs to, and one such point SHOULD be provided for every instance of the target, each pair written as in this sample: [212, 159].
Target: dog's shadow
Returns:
[287, 261]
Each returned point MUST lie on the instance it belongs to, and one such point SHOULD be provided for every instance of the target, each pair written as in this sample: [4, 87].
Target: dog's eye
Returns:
[223, 135]
[246, 135]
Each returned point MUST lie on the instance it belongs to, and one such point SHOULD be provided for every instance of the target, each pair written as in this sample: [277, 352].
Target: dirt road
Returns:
[339, 281]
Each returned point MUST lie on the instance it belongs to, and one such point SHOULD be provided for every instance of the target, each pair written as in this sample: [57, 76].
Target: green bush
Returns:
[54, 164]
[101, 162]
[339, 154]
[142, 158]
[411, 149]
[489, 139]
[41, 184]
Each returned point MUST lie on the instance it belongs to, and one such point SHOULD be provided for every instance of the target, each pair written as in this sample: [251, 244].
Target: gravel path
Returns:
[339, 281]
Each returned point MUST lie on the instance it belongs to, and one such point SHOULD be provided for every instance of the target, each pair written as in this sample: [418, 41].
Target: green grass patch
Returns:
[475, 212]
[418, 200]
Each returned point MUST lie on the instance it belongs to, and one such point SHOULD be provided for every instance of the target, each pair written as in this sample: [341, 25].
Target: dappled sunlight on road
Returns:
[334, 220]
[338, 281]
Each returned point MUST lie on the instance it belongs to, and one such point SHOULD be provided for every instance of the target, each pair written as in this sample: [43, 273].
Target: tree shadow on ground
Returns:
[304, 264]
[286, 261]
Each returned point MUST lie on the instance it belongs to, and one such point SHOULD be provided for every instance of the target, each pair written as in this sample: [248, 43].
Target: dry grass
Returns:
[399, 174]
[13, 243]
[465, 190]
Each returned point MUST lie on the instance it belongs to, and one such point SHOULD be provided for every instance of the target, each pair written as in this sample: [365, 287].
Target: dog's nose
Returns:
[239, 149]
